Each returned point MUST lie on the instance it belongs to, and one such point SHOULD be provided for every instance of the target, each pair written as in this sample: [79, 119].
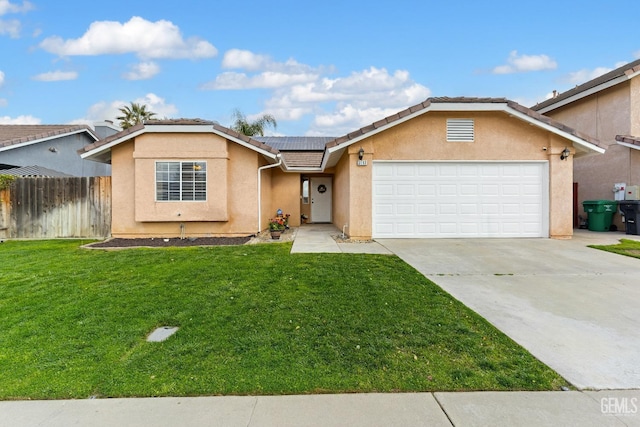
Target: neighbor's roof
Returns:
[13, 136]
[584, 142]
[26, 171]
[100, 150]
[605, 81]
[629, 141]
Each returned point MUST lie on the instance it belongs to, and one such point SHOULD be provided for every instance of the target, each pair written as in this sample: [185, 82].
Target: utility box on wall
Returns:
[619, 191]
[632, 193]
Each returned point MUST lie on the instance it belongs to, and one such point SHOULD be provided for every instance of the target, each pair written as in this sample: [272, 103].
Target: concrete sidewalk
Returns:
[610, 408]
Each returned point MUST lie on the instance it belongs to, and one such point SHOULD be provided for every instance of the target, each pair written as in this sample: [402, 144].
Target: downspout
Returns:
[260, 169]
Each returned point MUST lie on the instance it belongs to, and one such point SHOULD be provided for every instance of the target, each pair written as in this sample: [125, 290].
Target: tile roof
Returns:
[35, 170]
[178, 122]
[628, 139]
[296, 143]
[303, 159]
[18, 134]
[626, 69]
[459, 100]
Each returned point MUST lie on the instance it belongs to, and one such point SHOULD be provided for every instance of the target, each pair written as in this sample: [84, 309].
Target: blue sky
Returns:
[321, 68]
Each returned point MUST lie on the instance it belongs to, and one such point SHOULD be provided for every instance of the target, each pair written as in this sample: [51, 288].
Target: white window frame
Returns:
[305, 190]
[175, 181]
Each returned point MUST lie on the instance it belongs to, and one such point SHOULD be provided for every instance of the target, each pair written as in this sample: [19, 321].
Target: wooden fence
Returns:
[46, 208]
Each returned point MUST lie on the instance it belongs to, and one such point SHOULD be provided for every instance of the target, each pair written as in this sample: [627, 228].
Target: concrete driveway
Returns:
[575, 308]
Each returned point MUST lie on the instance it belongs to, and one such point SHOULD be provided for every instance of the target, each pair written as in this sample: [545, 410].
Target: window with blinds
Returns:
[181, 181]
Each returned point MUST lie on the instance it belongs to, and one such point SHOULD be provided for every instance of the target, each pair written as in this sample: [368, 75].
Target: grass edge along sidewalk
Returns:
[253, 320]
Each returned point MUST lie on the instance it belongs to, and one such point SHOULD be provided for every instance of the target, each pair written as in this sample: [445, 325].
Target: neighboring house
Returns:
[32, 171]
[51, 147]
[607, 108]
[448, 167]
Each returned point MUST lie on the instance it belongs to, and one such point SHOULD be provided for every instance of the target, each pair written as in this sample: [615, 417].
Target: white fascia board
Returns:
[176, 129]
[581, 142]
[585, 93]
[626, 144]
[113, 143]
[244, 144]
[468, 106]
[332, 150]
[48, 138]
[435, 106]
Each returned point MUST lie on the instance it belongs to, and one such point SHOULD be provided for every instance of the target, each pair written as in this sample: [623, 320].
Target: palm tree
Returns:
[134, 114]
[256, 127]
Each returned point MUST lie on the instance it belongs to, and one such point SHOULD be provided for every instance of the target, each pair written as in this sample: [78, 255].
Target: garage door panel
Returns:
[473, 199]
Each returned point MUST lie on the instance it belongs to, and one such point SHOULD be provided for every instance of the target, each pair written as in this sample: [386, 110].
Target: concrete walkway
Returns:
[571, 408]
[325, 238]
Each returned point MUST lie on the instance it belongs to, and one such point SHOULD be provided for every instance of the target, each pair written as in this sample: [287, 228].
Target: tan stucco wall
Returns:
[342, 194]
[497, 137]
[285, 190]
[231, 207]
[604, 115]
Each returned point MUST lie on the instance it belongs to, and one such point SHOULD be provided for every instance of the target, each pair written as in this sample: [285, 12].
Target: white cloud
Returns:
[142, 71]
[20, 120]
[344, 104]
[525, 63]
[584, 75]
[3, 102]
[273, 74]
[1, 78]
[244, 59]
[10, 27]
[56, 76]
[266, 80]
[340, 104]
[7, 7]
[105, 110]
[160, 39]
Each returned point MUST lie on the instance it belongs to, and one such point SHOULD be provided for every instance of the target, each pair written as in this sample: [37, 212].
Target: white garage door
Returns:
[460, 199]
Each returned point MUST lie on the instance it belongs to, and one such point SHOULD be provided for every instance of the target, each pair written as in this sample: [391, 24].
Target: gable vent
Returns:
[460, 130]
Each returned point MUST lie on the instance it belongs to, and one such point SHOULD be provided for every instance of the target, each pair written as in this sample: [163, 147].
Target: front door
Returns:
[321, 199]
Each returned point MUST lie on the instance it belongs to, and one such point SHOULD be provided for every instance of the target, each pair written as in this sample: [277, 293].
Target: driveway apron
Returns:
[575, 308]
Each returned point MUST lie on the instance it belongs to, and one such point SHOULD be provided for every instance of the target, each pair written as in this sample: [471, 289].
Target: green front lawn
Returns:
[253, 320]
[625, 247]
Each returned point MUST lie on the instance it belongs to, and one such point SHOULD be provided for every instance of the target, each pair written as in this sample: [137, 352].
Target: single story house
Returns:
[447, 167]
[51, 150]
[607, 108]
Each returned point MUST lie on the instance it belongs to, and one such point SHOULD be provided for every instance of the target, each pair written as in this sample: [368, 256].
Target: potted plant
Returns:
[276, 227]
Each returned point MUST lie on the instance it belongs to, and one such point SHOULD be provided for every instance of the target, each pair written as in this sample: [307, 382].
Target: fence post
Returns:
[5, 204]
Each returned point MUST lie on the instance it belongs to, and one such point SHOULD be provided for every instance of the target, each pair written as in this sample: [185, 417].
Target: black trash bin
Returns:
[631, 211]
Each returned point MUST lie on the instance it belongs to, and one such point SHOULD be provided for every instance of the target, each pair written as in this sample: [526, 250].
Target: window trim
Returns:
[305, 199]
[182, 190]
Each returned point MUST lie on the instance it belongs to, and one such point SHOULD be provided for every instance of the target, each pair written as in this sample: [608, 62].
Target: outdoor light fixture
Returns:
[361, 153]
[565, 154]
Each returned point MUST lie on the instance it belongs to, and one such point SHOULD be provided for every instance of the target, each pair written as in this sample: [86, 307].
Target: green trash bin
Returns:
[600, 213]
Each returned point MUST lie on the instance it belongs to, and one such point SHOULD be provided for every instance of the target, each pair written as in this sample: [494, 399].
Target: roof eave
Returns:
[586, 93]
[49, 138]
[98, 152]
